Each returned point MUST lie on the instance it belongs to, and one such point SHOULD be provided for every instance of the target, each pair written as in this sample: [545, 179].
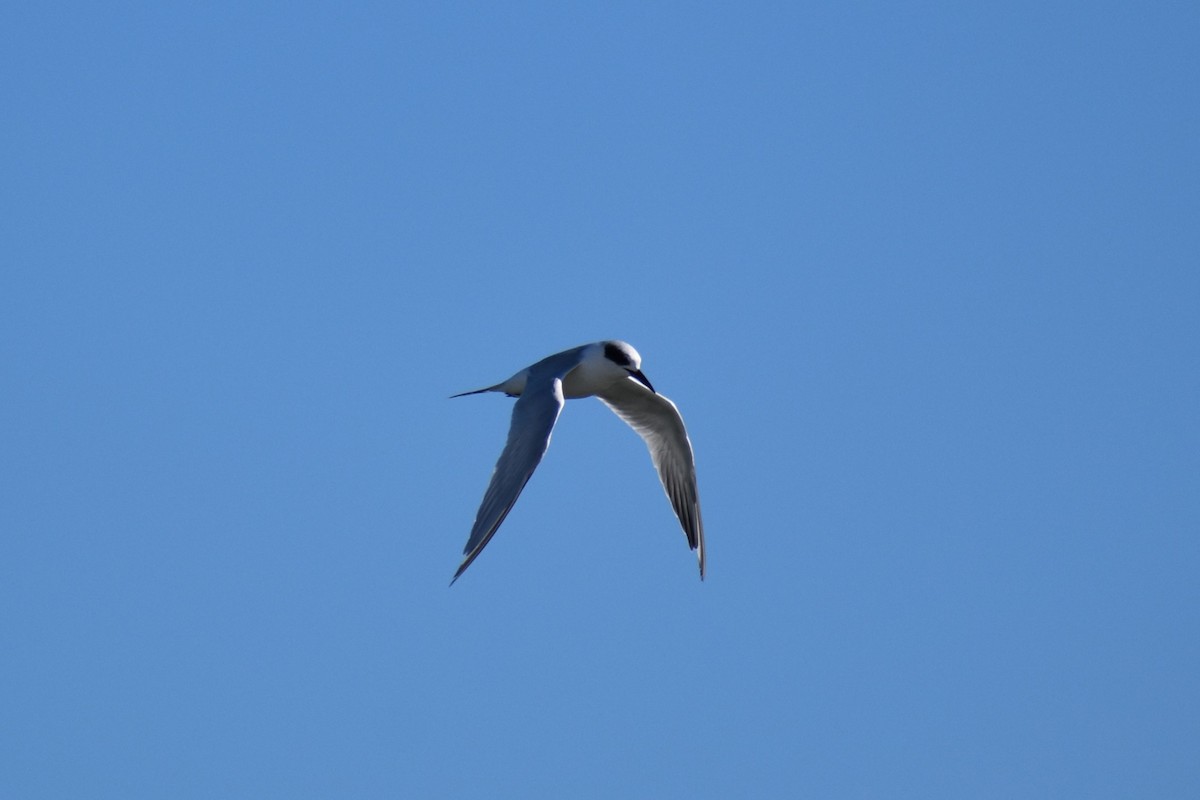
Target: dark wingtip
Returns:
[470, 559]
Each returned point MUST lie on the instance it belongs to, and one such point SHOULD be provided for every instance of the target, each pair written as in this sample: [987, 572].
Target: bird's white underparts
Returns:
[611, 371]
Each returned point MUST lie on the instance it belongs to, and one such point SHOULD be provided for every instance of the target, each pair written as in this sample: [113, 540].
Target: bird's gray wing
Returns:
[657, 421]
[533, 418]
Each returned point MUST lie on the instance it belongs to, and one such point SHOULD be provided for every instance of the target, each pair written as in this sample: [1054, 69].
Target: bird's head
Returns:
[623, 356]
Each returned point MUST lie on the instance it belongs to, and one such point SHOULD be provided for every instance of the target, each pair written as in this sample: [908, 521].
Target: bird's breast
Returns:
[583, 382]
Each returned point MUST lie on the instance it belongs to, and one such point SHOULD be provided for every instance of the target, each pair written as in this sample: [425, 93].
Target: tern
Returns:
[611, 371]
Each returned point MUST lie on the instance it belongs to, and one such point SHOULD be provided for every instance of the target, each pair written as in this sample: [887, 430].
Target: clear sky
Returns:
[923, 279]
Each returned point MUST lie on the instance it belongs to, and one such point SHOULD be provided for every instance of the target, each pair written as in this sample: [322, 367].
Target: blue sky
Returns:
[923, 281]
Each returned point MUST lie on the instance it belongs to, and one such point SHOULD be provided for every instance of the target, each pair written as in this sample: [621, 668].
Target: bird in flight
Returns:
[611, 371]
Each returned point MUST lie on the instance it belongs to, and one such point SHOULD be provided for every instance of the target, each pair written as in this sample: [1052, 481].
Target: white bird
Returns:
[611, 371]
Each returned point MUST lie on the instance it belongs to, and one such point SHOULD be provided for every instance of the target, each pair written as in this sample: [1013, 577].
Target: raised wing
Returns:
[533, 418]
[657, 421]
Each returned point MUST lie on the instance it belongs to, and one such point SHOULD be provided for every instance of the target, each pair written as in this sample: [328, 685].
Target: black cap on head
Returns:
[617, 355]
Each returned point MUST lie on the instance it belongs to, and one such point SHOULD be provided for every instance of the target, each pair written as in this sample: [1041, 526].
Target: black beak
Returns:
[637, 375]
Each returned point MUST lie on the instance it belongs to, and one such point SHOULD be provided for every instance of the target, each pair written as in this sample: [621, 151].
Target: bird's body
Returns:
[611, 371]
